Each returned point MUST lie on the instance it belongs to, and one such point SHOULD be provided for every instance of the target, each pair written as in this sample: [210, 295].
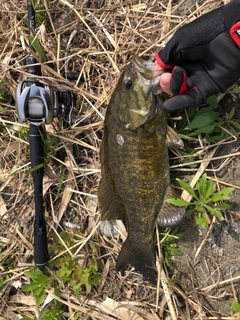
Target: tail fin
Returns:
[143, 260]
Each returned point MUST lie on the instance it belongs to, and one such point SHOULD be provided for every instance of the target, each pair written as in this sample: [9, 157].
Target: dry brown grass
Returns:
[96, 38]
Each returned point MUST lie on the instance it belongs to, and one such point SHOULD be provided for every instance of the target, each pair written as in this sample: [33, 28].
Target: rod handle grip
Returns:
[40, 247]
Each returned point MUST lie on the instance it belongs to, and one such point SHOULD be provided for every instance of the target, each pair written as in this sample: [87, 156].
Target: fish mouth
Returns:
[149, 75]
[150, 79]
[146, 68]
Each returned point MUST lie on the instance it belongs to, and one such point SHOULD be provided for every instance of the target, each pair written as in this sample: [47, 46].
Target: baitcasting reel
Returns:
[39, 104]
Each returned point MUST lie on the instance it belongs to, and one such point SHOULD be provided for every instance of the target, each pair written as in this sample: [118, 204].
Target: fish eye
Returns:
[128, 84]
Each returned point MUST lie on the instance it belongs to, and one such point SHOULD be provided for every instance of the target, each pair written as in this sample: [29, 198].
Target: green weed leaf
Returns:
[178, 202]
[37, 47]
[40, 297]
[201, 221]
[235, 306]
[222, 206]
[236, 89]
[205, 187]
[186, 187]
[232, 112]
[180, 235]
[189, 212]
[30, 287]
[222, 195]
[64, 273]
[235, 124]
[203, 120]
[36, 275]
[214, 211]
[212, 101]
[209, 128]
[39, 284]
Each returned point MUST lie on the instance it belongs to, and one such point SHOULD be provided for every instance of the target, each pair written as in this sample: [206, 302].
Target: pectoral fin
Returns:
[173, 140]
[170, 216]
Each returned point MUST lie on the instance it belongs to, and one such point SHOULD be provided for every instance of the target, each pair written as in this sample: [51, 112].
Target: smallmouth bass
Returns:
[135, 165]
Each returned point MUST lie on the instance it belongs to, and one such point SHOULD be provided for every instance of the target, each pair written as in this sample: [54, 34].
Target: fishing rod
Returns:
[38, 104]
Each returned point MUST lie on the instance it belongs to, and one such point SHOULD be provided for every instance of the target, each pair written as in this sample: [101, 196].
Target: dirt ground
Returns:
[219, 258]
[209, 271]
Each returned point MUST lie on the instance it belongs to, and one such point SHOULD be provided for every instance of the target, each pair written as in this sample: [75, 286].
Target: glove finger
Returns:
[180, 83]
[161, 63]
[192, 98]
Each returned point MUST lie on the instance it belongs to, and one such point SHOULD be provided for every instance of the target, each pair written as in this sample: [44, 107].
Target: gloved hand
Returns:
[204, 57]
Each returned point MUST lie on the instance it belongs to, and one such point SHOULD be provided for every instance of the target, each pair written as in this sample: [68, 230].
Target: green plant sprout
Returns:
[205, 200]
[169, 245]
[52, 311]
[81, 273]
[229, 123]
[39, 284]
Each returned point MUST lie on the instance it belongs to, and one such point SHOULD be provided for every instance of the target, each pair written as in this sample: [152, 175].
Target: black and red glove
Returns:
[204, 57]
